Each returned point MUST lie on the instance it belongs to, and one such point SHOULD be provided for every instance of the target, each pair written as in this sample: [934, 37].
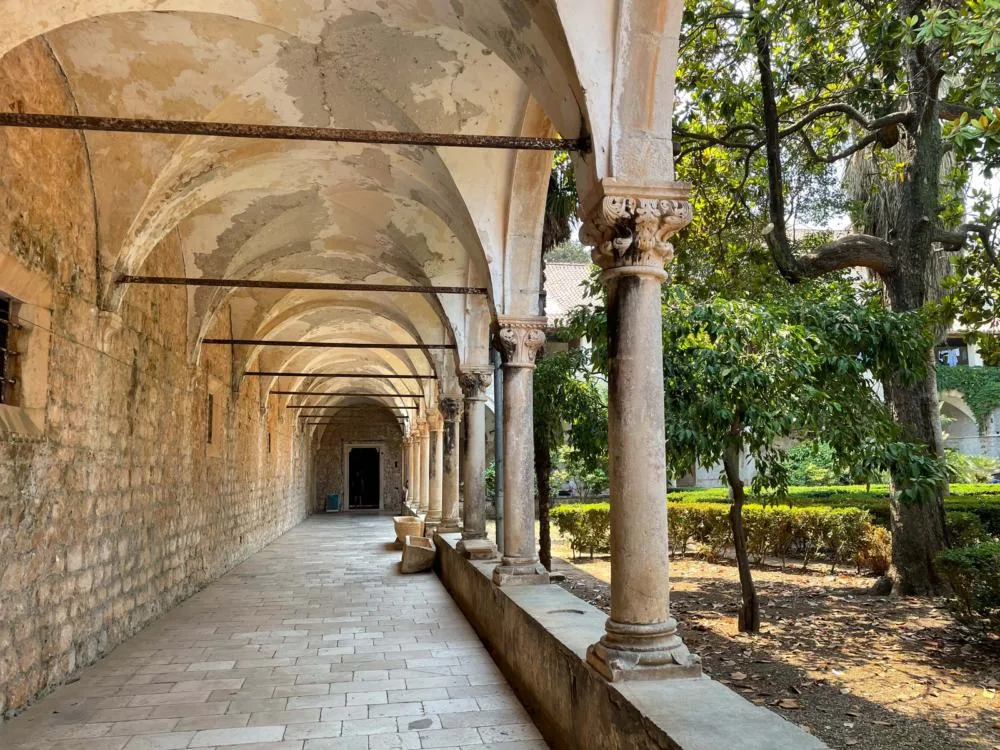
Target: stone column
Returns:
[437, 471]
[415, 463]
[520, 340]
[450, 408]
[404, 469]
[474, 544]
[425, 467]
[628, 231]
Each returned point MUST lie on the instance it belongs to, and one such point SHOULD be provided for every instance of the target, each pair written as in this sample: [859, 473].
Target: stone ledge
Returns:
[539, 636]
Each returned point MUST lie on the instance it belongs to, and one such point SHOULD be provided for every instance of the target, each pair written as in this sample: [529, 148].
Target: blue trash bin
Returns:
[333, 503]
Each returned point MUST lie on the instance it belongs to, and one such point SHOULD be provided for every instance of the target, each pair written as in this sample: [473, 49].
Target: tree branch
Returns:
[777, 234]
[852, 251]
[842, 154]
[843, 108]
[954, 111]
[955, 240]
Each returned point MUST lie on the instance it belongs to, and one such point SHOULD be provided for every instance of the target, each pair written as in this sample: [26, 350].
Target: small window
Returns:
[210, 418]
[269, 441]
[8, 351]
[952, 353]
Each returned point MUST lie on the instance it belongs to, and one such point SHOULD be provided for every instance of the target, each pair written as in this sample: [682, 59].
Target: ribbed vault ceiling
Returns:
[300, 211]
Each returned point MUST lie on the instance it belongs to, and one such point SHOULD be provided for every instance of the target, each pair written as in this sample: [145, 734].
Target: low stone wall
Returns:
[539, 636]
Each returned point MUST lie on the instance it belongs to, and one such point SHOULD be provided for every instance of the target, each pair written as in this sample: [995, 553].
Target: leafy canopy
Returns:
[751, 375]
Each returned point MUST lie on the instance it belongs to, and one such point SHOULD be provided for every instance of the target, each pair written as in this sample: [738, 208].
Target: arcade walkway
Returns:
[314, 643]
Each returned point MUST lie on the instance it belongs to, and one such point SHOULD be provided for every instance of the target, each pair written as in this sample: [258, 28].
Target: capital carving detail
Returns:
[450, 409]
[474, 382]
[626, 231]
[520, 340]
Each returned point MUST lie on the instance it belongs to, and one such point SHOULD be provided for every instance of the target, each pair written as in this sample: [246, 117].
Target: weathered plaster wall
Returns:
[376, 427]
[118, 509]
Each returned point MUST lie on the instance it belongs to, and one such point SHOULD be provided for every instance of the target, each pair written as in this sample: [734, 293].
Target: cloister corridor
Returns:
[317, 642]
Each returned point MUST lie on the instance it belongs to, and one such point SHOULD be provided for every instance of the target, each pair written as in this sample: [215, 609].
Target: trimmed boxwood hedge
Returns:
[974, 575]
[772, 530]
[982, 500]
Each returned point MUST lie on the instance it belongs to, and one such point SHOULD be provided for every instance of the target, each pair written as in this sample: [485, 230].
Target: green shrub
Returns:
[875, 550]
[771, 530]
[981, 499]
[974, 575]
[964, 528]
[966, 468]
[587, 526]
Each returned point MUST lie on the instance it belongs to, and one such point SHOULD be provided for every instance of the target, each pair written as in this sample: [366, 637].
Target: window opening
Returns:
[7, 350]
[211, 417]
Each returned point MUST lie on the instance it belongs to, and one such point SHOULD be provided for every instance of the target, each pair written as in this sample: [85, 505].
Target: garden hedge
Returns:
[974, 575]
[983, 500]
[776, 531]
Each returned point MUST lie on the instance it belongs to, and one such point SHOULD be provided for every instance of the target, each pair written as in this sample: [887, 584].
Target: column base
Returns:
[520, 572]
[478, 549]
[642, 652]
[449, 526]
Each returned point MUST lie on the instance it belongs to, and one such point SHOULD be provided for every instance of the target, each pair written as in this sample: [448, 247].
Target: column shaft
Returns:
[474, 382]
[415, 468]
[451, 408]
[630, 238]
[520, 340]
[437, 473]
[425, 469]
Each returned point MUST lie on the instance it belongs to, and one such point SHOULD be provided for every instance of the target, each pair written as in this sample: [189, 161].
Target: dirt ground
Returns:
[858, 671]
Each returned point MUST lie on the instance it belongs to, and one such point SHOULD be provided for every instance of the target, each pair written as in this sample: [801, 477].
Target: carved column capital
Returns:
[451, 407]
[630, 226]
[520, 340]
[474, 382]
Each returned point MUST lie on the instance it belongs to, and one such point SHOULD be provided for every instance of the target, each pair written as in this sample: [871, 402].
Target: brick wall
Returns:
[116, 509]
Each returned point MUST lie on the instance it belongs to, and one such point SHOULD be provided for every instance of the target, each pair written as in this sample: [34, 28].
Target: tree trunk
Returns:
[918, 530]
[749, 618]
[543, 468]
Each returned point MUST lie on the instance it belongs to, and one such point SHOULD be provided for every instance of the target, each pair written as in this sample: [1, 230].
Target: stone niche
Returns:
[332, 442]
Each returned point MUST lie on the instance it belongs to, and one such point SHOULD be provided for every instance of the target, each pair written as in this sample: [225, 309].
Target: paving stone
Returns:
[314, 643]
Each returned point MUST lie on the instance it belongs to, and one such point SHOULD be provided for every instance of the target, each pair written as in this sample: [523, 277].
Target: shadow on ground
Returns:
[858, 671]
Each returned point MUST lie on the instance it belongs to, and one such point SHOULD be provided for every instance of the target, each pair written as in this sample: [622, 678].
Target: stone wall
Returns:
[113, 507]
[376, 428]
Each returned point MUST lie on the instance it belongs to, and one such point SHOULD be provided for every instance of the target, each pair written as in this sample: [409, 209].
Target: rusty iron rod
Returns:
[352, 406]
[287, 132]
[366, 375]
[324, 344]
[347, 393]
[302, 285]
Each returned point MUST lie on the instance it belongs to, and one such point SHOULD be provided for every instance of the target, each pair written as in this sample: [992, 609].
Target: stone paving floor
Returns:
[315, 643]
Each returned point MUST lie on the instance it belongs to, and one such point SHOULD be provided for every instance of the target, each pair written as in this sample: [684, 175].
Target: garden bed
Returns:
[860, 672]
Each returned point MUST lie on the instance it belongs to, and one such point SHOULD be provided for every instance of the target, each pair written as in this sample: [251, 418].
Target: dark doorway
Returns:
[363, 469]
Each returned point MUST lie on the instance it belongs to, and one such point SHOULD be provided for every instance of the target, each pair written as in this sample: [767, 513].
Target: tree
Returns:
[742, 377]
[812, 85]
[571, 413]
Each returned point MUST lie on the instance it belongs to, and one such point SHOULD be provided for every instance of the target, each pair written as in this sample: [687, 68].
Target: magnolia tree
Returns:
[901, 97]
[741, 378]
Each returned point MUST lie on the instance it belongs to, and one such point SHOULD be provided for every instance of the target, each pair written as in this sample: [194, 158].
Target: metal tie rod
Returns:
[365, 375]
[300, 285]
[286, 132]
[325, 344]
[348, 393]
